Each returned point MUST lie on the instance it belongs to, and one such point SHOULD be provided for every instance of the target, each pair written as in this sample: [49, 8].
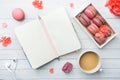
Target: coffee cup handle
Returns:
[101, 69]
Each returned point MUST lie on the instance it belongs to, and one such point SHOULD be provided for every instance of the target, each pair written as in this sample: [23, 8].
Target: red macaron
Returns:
[106, 30]
[100, 37]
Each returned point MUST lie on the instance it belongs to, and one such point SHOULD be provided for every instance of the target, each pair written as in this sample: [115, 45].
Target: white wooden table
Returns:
[110, 54]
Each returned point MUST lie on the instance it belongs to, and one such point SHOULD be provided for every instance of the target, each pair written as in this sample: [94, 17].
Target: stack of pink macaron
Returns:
[95, 24]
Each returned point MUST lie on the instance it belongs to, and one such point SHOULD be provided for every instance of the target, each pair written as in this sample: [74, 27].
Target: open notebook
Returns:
[47, 38]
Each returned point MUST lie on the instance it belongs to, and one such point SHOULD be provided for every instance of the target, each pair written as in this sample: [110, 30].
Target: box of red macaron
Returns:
[95, 25]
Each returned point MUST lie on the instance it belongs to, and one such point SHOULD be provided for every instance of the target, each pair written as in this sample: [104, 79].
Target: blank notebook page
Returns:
[61, 31]
[35, 43]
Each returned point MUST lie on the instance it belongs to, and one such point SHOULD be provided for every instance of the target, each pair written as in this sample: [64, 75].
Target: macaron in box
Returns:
[95, 25]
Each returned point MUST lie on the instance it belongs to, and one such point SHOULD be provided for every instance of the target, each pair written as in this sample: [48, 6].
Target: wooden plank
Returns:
[104, 53]
[106, 64]
[90, 44]
[24, 64]
[86, 43]
[30, 10]
[19, 54]
[81, 33]
[10, 54]
[44, 74]
[9, 31]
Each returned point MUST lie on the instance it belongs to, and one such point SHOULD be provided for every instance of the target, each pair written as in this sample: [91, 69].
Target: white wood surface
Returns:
[110, 54]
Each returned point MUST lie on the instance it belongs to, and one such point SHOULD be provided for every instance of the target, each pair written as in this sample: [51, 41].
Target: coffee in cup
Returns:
[89, 62]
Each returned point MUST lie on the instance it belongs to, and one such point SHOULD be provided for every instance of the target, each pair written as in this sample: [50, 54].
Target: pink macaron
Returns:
[98, 20]
[101, 18]
[92, 28]
[18, 14]
[84, 19]
[90, 12]
[106, 30]
[100, 37]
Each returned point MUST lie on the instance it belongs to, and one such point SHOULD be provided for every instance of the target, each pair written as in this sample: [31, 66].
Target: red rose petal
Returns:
[4, 25]
[37, 4]
[51, 70]
[5, 45]
[72, 5]
[5, 41]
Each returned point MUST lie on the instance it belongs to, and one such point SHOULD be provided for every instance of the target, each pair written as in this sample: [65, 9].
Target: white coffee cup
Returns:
[96, 68]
